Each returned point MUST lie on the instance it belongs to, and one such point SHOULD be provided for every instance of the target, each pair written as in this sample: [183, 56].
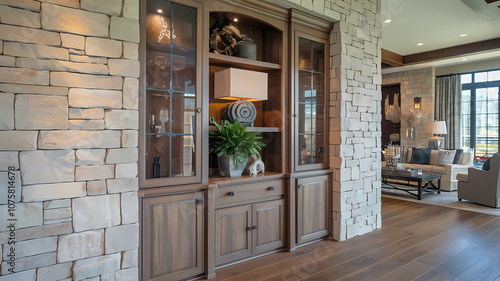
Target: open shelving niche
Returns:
[269, 118]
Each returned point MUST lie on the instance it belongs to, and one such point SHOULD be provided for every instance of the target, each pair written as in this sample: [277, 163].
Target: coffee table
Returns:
[425, 178]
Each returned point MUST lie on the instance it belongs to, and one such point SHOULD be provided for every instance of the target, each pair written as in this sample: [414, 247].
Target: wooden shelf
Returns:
[254, 129]
[228, 61]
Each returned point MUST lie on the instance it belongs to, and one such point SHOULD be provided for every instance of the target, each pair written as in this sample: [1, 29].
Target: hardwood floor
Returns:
[416, 242]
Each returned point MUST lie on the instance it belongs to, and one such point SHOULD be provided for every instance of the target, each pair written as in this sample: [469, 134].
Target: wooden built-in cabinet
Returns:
[192, 218]
[172, 236]
[249, 229]
[249, 219]
[312, 208]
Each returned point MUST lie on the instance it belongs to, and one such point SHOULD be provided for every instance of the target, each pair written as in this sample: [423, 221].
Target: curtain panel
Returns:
[447, 108]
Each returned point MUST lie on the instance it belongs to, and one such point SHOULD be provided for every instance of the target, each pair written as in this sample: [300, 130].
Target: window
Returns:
[480, 111]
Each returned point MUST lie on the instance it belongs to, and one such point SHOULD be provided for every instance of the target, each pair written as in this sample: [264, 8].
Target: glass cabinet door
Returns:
[310, 103]
[170, 97]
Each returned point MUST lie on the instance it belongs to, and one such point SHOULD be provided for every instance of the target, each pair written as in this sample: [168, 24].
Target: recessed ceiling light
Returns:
[463, 35]
[420, 44]
[235, 20]
[387, 20]
[160, 11]
[465, 59]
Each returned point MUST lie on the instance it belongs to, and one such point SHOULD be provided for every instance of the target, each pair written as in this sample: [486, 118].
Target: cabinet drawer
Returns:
[248, 192]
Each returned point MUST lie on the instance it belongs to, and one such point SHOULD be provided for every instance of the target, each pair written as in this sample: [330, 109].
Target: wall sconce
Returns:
[417, 102]
[243, 86]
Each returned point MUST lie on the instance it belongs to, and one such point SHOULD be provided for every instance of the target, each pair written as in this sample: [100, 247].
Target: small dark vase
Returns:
[247, 49]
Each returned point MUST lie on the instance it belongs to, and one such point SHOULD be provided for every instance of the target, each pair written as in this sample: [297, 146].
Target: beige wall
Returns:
[469, 67]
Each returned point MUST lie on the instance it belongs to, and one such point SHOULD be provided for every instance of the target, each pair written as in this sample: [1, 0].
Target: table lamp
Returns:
[244, 86]
[436, 128]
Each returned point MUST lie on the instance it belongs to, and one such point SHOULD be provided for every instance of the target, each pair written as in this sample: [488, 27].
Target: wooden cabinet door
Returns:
[232, 236]
[268, 226]
[312, 208]
[172, 236]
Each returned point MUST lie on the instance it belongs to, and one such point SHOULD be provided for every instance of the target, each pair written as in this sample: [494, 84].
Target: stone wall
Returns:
[415, 83]
[68, 135]
[355, 104]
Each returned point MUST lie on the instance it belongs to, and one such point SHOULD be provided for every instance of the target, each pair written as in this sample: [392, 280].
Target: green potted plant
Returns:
[233, 144]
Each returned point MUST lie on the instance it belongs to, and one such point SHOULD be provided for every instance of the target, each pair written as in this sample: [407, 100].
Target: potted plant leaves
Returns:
[233, 144]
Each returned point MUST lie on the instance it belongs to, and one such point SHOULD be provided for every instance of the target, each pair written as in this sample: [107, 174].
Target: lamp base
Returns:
[242, 110]
[436, 142]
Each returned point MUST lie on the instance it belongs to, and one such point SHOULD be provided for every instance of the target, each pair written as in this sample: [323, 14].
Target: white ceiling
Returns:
[438, 24]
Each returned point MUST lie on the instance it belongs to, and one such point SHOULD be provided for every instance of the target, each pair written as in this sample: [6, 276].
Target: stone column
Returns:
[355, 117]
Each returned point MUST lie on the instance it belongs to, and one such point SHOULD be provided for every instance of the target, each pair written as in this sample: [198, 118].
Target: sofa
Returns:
[449, 179]
[481, 186]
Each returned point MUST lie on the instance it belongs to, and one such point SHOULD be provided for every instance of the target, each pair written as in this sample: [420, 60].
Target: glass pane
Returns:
[158, 21]
[318, 57]
[493, 93]
[183, 70]
[481, 94]
[304, 53]
[311, 149]
[158, 110]
[183, 159]
[305, 92]
[183, 112]
[171, 87]
[465, 95]
[301, 112]
[184, 26]
[494, 75]
[466, 78]
[480, 77]
[305, 150]
[157, 155]
[158, 69]
[465, 107]
[493, 106]
[319, 88]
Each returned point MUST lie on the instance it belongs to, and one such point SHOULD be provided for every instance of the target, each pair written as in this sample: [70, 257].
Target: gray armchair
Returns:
[482, 187]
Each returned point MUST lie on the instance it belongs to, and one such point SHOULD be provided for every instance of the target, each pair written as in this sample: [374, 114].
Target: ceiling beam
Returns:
[452, 52]
[391, 58]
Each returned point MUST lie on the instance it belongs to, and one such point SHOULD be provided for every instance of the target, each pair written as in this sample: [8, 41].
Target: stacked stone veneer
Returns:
[68, 129]
[355, 105]
[415, 83]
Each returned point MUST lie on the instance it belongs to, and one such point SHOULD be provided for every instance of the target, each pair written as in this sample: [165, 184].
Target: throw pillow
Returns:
[458, 154]
[446, 157]
[420, 155]
[486, 164]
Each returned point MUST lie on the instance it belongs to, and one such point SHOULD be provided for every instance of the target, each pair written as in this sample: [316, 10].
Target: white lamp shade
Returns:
[236, 84]
[436, 128]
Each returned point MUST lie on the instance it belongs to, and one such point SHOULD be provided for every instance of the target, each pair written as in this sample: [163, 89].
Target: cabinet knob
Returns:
[299, 186]
[295, 115]
[254, 227]
[271, 188]
[231, 193]
[199, 201]
[249, 228]
[198, 110]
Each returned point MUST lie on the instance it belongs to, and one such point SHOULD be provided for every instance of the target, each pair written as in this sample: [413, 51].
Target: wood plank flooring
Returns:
[416, 242]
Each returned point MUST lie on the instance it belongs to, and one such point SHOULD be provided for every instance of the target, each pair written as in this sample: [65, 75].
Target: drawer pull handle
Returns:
[254, 227]
[231, 193]
[271, 188]
[199, 201]
[249, 228]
